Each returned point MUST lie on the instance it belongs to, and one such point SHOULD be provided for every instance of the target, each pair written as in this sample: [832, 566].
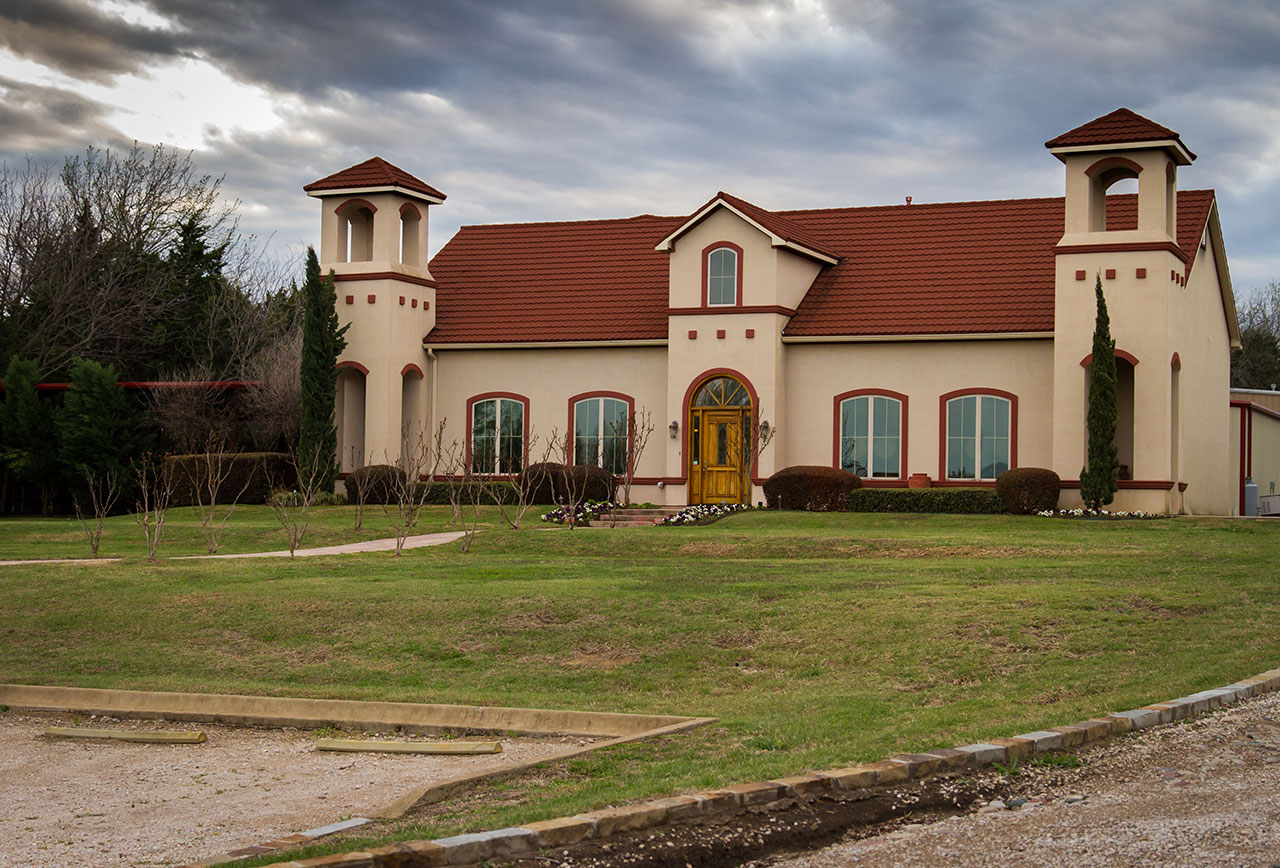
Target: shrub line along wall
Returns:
[773, 794]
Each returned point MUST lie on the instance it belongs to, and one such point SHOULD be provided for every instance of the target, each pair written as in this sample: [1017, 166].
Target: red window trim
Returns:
[355, 365]
[706, 264]
[943, 479]
[354, 203]
[902, 428]
[571, 451]
[694, 385]
[512, 396]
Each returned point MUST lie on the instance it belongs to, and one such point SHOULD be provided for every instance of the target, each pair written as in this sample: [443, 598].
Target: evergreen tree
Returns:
[28, 445]
[1098, 479]
[322, 343]
[99, 429]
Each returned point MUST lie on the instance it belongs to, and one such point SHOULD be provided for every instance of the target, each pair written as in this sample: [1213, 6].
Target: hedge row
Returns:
[961, 501]
[257, 473]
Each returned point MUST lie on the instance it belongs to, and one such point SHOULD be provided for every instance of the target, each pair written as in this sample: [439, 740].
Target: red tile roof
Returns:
[374, 172]
[953, 268]
[1121, 126]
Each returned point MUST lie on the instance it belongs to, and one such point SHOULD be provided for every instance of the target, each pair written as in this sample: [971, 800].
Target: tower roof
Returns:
[374, 173]
[1121, 127]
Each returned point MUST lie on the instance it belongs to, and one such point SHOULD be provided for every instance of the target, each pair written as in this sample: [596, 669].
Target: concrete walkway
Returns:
[373, 545]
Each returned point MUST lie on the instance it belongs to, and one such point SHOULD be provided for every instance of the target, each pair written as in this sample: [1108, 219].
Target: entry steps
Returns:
[635, 516]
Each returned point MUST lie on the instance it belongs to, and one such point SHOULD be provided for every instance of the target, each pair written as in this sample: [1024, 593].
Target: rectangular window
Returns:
[586, 431]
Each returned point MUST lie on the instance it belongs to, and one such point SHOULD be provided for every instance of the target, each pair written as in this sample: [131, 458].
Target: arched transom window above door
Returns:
[722, 392]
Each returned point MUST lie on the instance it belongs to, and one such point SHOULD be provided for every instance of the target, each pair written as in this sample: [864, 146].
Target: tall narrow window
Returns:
[497, 436]
[978, 437]
[871, 436]
[722, 276]
[600, 433]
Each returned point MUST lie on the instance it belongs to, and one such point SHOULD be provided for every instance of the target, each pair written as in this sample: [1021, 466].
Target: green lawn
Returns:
[819, 640]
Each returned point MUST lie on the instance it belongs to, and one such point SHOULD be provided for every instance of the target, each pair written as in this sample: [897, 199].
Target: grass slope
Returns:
[819, 640]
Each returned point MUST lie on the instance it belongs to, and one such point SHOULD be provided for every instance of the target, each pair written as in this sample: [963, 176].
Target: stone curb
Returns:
[781, 792]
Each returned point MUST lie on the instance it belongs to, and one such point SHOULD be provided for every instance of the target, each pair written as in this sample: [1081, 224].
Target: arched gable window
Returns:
[497, 423]
[722, 275]
[600, 430]
[870, 433]
[980, 433]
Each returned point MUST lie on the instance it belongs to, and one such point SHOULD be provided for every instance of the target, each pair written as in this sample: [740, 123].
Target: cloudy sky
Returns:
[571, 109]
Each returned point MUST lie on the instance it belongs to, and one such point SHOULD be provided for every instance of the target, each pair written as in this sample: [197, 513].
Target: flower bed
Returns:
[1096, 513]
[703, 513]
[583, 515]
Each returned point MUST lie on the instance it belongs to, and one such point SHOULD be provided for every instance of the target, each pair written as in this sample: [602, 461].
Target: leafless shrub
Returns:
[511, 491]
[207, 477]
[292, 508]
[412, 486]
[103, 491]
[154, 482]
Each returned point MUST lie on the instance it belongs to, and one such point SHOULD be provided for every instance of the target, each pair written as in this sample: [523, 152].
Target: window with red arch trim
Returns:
[979, 434]
[599, 422]
[870, 433]
[722, 275]
[497, 432]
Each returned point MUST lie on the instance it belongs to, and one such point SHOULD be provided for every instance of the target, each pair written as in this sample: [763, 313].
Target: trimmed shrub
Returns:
[263, 471]
[541, 482]
[550, 483]
[1026, 490]
[810, 487]
[589, 482]
[959, 501]
[378, 482]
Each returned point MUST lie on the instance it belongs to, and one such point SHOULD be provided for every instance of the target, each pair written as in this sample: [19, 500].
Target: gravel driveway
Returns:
[1204, 793]
[103, 803]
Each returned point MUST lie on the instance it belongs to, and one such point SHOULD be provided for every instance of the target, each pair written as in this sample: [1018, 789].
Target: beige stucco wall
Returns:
[923, 371]
[549, 378]
[1265, 464]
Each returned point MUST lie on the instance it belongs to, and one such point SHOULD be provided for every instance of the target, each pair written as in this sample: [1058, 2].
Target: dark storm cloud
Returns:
[46, 123]
[80, 40]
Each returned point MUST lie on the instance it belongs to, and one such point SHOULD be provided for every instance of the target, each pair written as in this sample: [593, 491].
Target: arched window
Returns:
[600, 432]
[722, 274]
[871, 434]
[355, 230]
[410, 223]
[497, 433]
[979, 435]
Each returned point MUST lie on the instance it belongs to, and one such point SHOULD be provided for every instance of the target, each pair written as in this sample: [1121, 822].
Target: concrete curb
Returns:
[475, 847]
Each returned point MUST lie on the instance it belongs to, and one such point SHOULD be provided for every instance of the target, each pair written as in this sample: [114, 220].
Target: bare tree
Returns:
[513, 492]
[207, 475]
[292, 509]
[273, 404]
[411, 486]
[573, 491]
[190, 411]
[639, 428]
[154, 481]
[465, 494]
[103, 491]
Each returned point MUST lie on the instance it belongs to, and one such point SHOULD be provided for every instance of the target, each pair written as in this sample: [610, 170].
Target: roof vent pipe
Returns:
[908, 200]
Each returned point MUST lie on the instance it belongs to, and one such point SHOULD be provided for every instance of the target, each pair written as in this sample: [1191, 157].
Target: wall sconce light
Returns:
[764, 428]
[674, 428]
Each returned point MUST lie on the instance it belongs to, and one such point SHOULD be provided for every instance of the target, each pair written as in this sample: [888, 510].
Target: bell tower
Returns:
[373, 235]
[1131, 243]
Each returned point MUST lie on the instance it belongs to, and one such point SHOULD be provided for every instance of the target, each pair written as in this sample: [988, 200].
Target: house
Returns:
[914, 344]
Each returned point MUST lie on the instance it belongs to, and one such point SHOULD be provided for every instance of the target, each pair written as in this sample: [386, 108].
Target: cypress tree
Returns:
[1098, 478]
[322, 343]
